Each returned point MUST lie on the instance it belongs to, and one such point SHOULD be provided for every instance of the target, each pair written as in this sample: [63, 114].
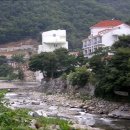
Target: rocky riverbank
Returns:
[108, 108]
[94, 106]
[60, 106]
[83, 114]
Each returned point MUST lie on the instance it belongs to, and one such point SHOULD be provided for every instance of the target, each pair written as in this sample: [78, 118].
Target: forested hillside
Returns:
[27, 18]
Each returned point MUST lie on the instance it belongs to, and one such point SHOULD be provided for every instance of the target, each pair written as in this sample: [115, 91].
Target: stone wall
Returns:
[53, 86]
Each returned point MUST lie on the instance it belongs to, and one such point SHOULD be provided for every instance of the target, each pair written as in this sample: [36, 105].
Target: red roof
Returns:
[108, 23]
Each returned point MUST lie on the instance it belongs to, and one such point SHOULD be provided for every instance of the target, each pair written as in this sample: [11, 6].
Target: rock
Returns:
[53, 127]
[120, 114]
[85, 107]
[53, 108]
[91, 108]
[77, 126]
[52, 114]
[35, 103]
[32, 124]
[35, 114]
[12, 103]
[41, 113]
[86, 119]
[84, 127]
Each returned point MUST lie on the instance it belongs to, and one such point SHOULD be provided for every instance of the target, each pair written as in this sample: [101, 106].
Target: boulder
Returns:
[35, 103]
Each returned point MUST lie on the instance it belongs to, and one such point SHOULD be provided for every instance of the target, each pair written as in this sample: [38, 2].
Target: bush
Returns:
[20, 74]
[79, 77]
[64, 76]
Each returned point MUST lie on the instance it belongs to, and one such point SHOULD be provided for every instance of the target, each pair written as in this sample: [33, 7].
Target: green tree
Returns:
[53, 64]
[20, 74]
[124, 41]
[18, 58]
[45, 62]
[80, 77]
[24, 19]
[113, 72]
[3, 60]
[5, 70]
[80, 59]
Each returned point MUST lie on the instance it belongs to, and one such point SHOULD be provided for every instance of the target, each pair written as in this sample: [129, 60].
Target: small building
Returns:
[52, 40]
[104, 34]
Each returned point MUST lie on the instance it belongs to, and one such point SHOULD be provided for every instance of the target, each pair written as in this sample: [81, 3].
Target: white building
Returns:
[104, 33]
[51, 40]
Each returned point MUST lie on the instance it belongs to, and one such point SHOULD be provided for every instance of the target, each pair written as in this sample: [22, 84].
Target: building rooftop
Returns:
[108, 23]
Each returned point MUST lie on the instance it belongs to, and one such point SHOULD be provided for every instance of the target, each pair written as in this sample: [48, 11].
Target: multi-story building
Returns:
[52, 40]
[104, 34]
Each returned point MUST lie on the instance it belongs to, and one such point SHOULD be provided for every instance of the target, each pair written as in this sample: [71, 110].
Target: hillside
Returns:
[21, 19]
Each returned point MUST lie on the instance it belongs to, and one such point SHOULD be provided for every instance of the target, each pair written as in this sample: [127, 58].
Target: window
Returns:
[55, 45]
[95, 41]
[86, 52]
[99, 39]
[89, 43]
[54, 35]
[85, 45]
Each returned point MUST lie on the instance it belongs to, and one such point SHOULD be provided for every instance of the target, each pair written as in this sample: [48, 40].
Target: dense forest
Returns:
[27, 18]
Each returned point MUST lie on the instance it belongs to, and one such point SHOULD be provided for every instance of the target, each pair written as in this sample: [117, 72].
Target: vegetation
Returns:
[113, 72]
[80, 77]
[27, 18]
[53, 64]
[18, 58]
[20, 74]
[5, 69]
[7, 72]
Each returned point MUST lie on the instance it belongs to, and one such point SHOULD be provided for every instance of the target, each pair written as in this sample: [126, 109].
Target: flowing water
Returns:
[51, 109]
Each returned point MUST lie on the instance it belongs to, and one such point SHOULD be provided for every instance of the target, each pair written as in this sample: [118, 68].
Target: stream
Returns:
[49, 106]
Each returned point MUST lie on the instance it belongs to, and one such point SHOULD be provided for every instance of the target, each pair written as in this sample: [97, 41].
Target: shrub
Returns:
[79, 77]
[64, 76]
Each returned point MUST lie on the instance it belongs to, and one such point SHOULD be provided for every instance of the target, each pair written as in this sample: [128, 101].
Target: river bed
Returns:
[58, 106]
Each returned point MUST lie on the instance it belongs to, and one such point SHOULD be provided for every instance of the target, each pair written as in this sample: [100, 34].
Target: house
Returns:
[104, 34]
[52, 40]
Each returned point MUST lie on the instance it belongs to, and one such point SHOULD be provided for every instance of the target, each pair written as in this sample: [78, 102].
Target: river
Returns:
[59, 106]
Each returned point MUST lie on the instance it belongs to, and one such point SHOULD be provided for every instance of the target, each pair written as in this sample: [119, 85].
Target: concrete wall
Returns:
[54, 36]
[52, 40]
[111, 37]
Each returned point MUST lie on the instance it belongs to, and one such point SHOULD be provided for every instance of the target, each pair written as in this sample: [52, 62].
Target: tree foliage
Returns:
[79, 77]
[18, 58]
[113, 73]
[124, 41]
[5, 69]
[52, 64]
[27, 18]
[3, 60]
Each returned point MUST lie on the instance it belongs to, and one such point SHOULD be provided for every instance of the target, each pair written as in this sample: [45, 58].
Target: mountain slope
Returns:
[27, 18]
